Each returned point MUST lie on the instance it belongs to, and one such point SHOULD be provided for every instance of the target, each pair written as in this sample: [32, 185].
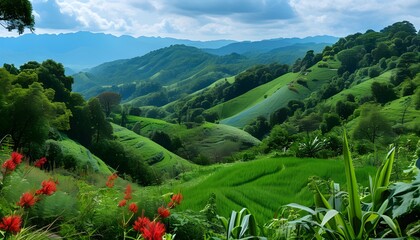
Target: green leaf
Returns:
[300, 207]
[231, 223]
[354, 208]
[330, 214]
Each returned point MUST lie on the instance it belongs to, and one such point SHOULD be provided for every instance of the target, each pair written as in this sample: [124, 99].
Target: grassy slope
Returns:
[211, 140]
[146, 149]
[83, 156]
[252, 97]
[392, 110]
[285, 88]
[262, 185]
[360, 90]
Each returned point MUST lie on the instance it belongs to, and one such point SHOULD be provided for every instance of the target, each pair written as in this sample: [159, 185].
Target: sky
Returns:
[221, 19]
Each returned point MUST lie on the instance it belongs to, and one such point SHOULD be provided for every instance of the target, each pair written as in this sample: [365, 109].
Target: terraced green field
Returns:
[263, 185]
[158, 157]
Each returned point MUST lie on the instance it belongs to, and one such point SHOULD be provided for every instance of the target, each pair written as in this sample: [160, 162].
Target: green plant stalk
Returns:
[382, 179]
[354, 209]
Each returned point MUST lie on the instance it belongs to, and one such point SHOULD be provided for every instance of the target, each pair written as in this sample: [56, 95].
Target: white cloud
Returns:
[227, 19]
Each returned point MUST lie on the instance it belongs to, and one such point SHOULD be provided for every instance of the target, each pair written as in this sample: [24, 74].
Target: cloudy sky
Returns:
[222, 19]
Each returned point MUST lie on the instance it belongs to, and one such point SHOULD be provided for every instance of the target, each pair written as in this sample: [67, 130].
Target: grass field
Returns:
[262, 185]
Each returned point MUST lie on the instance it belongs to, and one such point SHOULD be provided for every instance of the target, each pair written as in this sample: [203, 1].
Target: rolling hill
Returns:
[162, 160]
[211, 141]
[265, 99]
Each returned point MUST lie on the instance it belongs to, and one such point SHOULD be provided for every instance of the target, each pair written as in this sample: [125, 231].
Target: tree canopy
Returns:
[16, 14]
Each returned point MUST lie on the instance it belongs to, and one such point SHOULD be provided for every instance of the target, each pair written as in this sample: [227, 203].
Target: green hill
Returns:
[266, 99]
[83, 158]
[162, 160]
[211, 141]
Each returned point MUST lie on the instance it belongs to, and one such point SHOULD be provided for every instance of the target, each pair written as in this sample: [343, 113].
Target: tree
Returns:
[101, 128]
[372, 124]
[109, 100]
[383, 92]
[29, 114]
[345, 109]
[16, 14]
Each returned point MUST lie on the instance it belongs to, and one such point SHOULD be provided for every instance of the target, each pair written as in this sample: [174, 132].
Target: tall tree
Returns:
[372, 124]
[16, 14]
[29, 115]
[101, 128]
[109, 100]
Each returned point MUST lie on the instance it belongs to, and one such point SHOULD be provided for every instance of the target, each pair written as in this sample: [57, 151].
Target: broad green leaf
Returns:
[244, 225]
[231, 223]
[330, 214]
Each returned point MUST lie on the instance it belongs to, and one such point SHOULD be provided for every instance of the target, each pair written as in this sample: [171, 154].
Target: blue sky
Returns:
[221, 19]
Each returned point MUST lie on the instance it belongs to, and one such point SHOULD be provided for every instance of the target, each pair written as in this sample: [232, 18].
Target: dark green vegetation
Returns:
[365, 83]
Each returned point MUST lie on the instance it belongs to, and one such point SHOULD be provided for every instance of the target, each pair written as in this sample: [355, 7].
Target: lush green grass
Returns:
[261, 103]
[263, 185]
[146, 149]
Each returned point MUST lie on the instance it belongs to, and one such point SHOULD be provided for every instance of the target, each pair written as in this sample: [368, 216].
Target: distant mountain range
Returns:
[82, 50]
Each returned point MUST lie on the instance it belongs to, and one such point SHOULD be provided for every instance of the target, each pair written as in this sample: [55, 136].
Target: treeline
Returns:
[37, 106]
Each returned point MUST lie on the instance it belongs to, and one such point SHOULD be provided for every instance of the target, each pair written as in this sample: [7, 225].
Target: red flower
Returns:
[127, 192]
[110, 182]
[153, 231]
[27, 200]
[164, 212]
[11, 224]
[9, 165]
[48, 188]
[122, 203]
[175, 200]
[140, 223]
[133, 207]
[17, 158]
[40, 162]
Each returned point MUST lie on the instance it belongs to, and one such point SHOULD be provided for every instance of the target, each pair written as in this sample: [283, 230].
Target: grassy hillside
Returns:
[212, 141]
[158, 157]
[360, 90]
[263, 185]
[266, 99]
[82, 156]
